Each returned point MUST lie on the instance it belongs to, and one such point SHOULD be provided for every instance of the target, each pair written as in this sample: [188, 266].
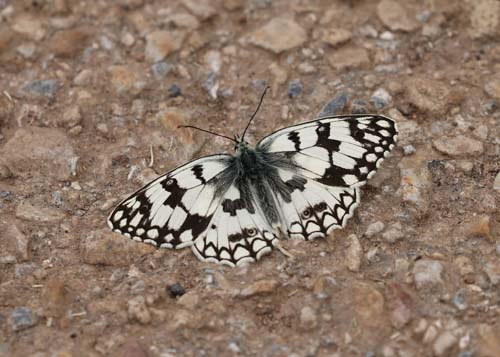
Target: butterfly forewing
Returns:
[173, 210]
[336, 151]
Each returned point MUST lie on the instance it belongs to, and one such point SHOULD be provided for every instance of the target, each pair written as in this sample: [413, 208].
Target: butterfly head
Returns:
[240, 143]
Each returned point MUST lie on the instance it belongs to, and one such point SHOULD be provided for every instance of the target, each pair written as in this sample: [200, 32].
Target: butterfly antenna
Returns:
[207, 131]
[256, 110]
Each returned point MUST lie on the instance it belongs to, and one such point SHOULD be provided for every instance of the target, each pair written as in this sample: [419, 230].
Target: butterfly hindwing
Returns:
[314, 209]
[237, 234]
[176, 208]
[340, 151]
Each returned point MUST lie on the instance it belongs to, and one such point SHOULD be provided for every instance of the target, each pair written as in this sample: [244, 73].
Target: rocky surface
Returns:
[92, 96]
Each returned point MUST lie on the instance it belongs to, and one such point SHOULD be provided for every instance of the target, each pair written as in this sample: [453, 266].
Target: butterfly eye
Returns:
[170, 182]
[321, 129]
[306, 213]
[251, 232]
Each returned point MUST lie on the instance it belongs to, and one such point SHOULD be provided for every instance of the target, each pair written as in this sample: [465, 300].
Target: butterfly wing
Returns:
[176, 208]
[341, 151]
[238, 232]
[312, 209]
[197, 205]
[329, 158]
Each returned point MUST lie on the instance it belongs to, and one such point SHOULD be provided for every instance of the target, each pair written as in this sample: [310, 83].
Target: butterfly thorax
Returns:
[250, 163]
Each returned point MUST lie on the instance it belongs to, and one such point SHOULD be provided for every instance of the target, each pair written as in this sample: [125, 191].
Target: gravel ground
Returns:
[88, 88]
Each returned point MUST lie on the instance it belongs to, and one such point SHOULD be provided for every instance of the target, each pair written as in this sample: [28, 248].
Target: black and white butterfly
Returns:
[302, 181]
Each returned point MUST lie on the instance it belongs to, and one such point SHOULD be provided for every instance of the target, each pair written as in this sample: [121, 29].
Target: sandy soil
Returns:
[89, 88]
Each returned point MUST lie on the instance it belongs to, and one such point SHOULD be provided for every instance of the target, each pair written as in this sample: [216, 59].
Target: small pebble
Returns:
[161, 69]
[443, 343]
[210, 277]
[492, 270]
[306, 68]
[284, 112]
[295, 88]
[227, 92]
[259, 84]
[335, 106]
[490, 106]
[336, 36]
[211, 85]
[359, 106]
[46, 87]
[72, 116]
[174, 91]
[176, 290]
[22, 318]
[430, 334]
[213, 60]
[234, 347]
[496, 183]
[354, 253]
[84, 77]
[387, 36]
[259, 287]
[57, 199]
[308, 318]
[27, 50]
[137, 310]
[106, 43]
[374, 228]
[202, 9]
[380, 98]
[464, 265]
[427, 273]
[409, 150]
[368, 31]
[160, 44]
[393, 233]
[278, 35]
[102, 128]
[459, 300]
[127, 39]
[5, 172]
[138, 287]
[189, 300]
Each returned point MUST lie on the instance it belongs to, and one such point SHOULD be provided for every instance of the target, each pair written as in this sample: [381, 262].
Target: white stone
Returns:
[427, 272]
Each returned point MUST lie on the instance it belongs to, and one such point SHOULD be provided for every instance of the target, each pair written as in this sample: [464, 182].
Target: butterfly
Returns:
[301, 181]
